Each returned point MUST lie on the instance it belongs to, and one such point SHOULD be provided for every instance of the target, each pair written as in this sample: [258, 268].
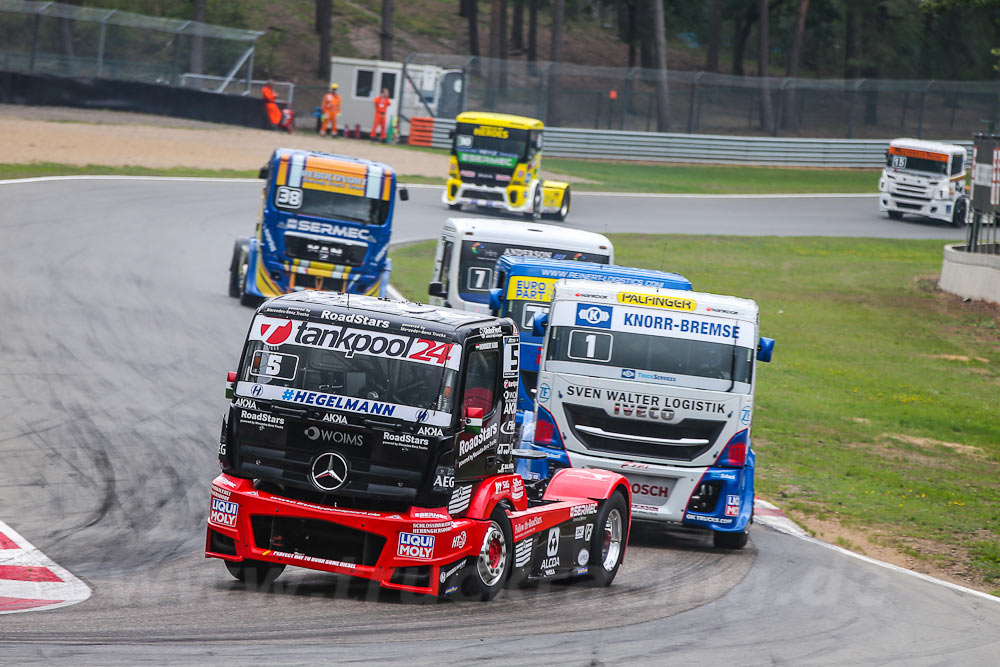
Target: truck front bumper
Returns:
[937, 209]
[420, 551]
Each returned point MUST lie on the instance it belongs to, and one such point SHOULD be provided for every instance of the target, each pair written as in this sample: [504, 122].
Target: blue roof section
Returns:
[279, 152]
[608, 273]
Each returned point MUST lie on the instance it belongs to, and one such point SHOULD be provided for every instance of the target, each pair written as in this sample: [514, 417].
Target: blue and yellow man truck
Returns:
[324, 224]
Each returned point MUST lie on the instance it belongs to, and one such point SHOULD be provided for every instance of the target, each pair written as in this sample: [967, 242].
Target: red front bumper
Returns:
[375, 545]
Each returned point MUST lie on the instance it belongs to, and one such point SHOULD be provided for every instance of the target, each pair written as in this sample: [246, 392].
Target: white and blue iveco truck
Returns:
[656, 384]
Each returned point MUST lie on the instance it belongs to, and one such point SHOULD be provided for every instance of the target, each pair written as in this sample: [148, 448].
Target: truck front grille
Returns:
[317, 539]
[595, 418]
[321, 249]
[488, 195]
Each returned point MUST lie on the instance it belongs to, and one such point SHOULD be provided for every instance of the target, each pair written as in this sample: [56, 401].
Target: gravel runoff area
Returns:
[118, 139]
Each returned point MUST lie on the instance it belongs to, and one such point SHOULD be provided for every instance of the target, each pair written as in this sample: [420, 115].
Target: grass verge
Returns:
[879, 411]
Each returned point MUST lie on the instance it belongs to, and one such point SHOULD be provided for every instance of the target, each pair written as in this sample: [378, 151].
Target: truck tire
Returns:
[563, 211]
[491, 568]
[958, 215]
[455, 207]
[246, 299]
[239, 247]
[895, 215]
[607, 546]
[255, 573]
[732, 540]
[536, 205]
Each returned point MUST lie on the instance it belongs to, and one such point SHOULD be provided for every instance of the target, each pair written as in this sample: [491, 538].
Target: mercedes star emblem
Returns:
[328, 472]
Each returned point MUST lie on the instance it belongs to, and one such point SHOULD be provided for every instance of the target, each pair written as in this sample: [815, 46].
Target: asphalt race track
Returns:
[117, 336]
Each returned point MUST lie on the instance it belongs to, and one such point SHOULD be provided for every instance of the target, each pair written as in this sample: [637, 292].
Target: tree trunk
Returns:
[197, 63]
[66, 44]
[472, 14]
[532, 33]
[850, 42]
[324, 8]
[555, 55]
[517, 28]
[660, 52]
[386, 33]
[741, 35]
[789, 117]
[503, 46]
[714, 35]
[763, 55]
[493, 55]
[644, 9]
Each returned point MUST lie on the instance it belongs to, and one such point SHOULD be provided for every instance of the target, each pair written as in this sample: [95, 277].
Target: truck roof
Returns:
[322, 159]
[703, 303]
[501, 119]
[609, 273]
[517, 232]
[324, 307]
[930, 146]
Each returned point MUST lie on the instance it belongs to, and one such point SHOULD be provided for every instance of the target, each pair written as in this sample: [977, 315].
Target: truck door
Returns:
[481, 388]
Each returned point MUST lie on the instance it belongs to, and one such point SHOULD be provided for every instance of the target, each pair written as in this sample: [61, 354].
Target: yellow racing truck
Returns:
[495, 163]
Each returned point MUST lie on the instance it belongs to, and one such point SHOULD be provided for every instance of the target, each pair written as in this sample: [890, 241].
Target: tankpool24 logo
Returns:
[592, 315]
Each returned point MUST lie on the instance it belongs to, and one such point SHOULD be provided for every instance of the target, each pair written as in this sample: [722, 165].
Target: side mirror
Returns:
[230, 383]
[264, 172]
[539, 323]
[495, 303]
[451, 133]
[765, 348]
[474, 420]
[404, 194]
[437, 289]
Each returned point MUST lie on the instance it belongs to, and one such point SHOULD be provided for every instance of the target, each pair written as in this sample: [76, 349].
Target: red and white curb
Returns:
[30, 580]
[773, 517]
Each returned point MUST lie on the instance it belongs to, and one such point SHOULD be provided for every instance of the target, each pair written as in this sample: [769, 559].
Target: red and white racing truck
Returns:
[373, 438]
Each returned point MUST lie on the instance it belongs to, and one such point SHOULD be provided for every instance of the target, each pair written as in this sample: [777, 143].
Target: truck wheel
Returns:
[536, 205]
[564, 209]
[491, 568]
[239, 248]
[958, 216]
[246, 299]
[607, 546]
[255, 573]
[455, 207]
[895, 215]
[732, 540]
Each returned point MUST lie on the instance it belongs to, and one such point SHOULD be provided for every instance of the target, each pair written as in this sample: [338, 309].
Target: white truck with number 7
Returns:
[658, 385]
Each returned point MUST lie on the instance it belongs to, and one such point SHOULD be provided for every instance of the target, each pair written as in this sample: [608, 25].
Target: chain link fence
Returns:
[619, 98]
[71, 41]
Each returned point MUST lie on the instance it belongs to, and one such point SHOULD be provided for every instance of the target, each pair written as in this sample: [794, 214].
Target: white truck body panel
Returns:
[925, 178]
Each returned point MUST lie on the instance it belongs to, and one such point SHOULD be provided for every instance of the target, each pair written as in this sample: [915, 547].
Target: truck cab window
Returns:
[444, 269]
[481, 380]
[957, 164]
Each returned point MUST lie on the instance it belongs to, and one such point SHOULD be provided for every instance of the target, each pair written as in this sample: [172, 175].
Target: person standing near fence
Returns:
[271, 104]
[382, 103]
[331, 109]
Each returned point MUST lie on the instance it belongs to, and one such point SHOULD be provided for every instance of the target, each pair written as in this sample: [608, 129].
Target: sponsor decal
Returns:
[428, 515]
[732, 505]
[336, 437]
[503, 449]
[635, 466]
[582, 510]
[653, 490]
[328, 471]
[588, 532]
[460, 499]
[505, 468]
[334, 418]
[550, 563]
[454, 568]
[458, 542]
[227, 481]
[262, 419]
[404, 440]
[221, 493]
[501, 486]
[475, 441]
[517, 488]
[628, 402]
[706, 327]
[507, 428]
[581, 570]
[416, 546]
[511, 356]
[552, 543]
[709, 519]
[628, 374]
[444, 477]
[745, 414]
[583, 557]
[257, 390]
[521, 288]
[544, 393]
[354, 318]
[490, 332]
[450, 590]
[721, 310]
[488, 346]
[593, 315]
[579, 532]
[343, 231]
[311, 559]
[522, 552]
[491, 131]
[246, 403]
[725, 475]
[432, 431]
[656, 301]
[648, 509]
[224, 512]
[526, 525]
[426, 528]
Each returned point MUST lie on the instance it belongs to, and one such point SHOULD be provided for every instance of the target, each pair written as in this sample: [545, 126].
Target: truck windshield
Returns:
[642, 357]
[331, 363]
[478, 258]
[934, 163]
[489, 145]
[331, 205]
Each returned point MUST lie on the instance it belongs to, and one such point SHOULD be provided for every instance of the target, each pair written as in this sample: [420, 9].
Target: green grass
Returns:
[879, 409]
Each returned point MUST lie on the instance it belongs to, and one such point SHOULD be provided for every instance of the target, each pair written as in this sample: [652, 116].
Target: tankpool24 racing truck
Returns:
[372, 438]
[657, 384]
[324, 224]
[924, 178]
[495, 163]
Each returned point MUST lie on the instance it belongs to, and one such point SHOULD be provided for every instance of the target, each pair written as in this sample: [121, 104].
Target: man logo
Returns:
[328, 472]
[274, 334]
[552, 548]
[593, 316]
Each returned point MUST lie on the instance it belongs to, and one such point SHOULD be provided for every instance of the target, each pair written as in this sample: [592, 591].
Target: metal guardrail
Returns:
[703, 148]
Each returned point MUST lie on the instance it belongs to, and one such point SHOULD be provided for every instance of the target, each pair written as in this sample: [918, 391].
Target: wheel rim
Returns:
[611, 544]
[564, 210]
[492, 556]
[244, 270]
[536, 203]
